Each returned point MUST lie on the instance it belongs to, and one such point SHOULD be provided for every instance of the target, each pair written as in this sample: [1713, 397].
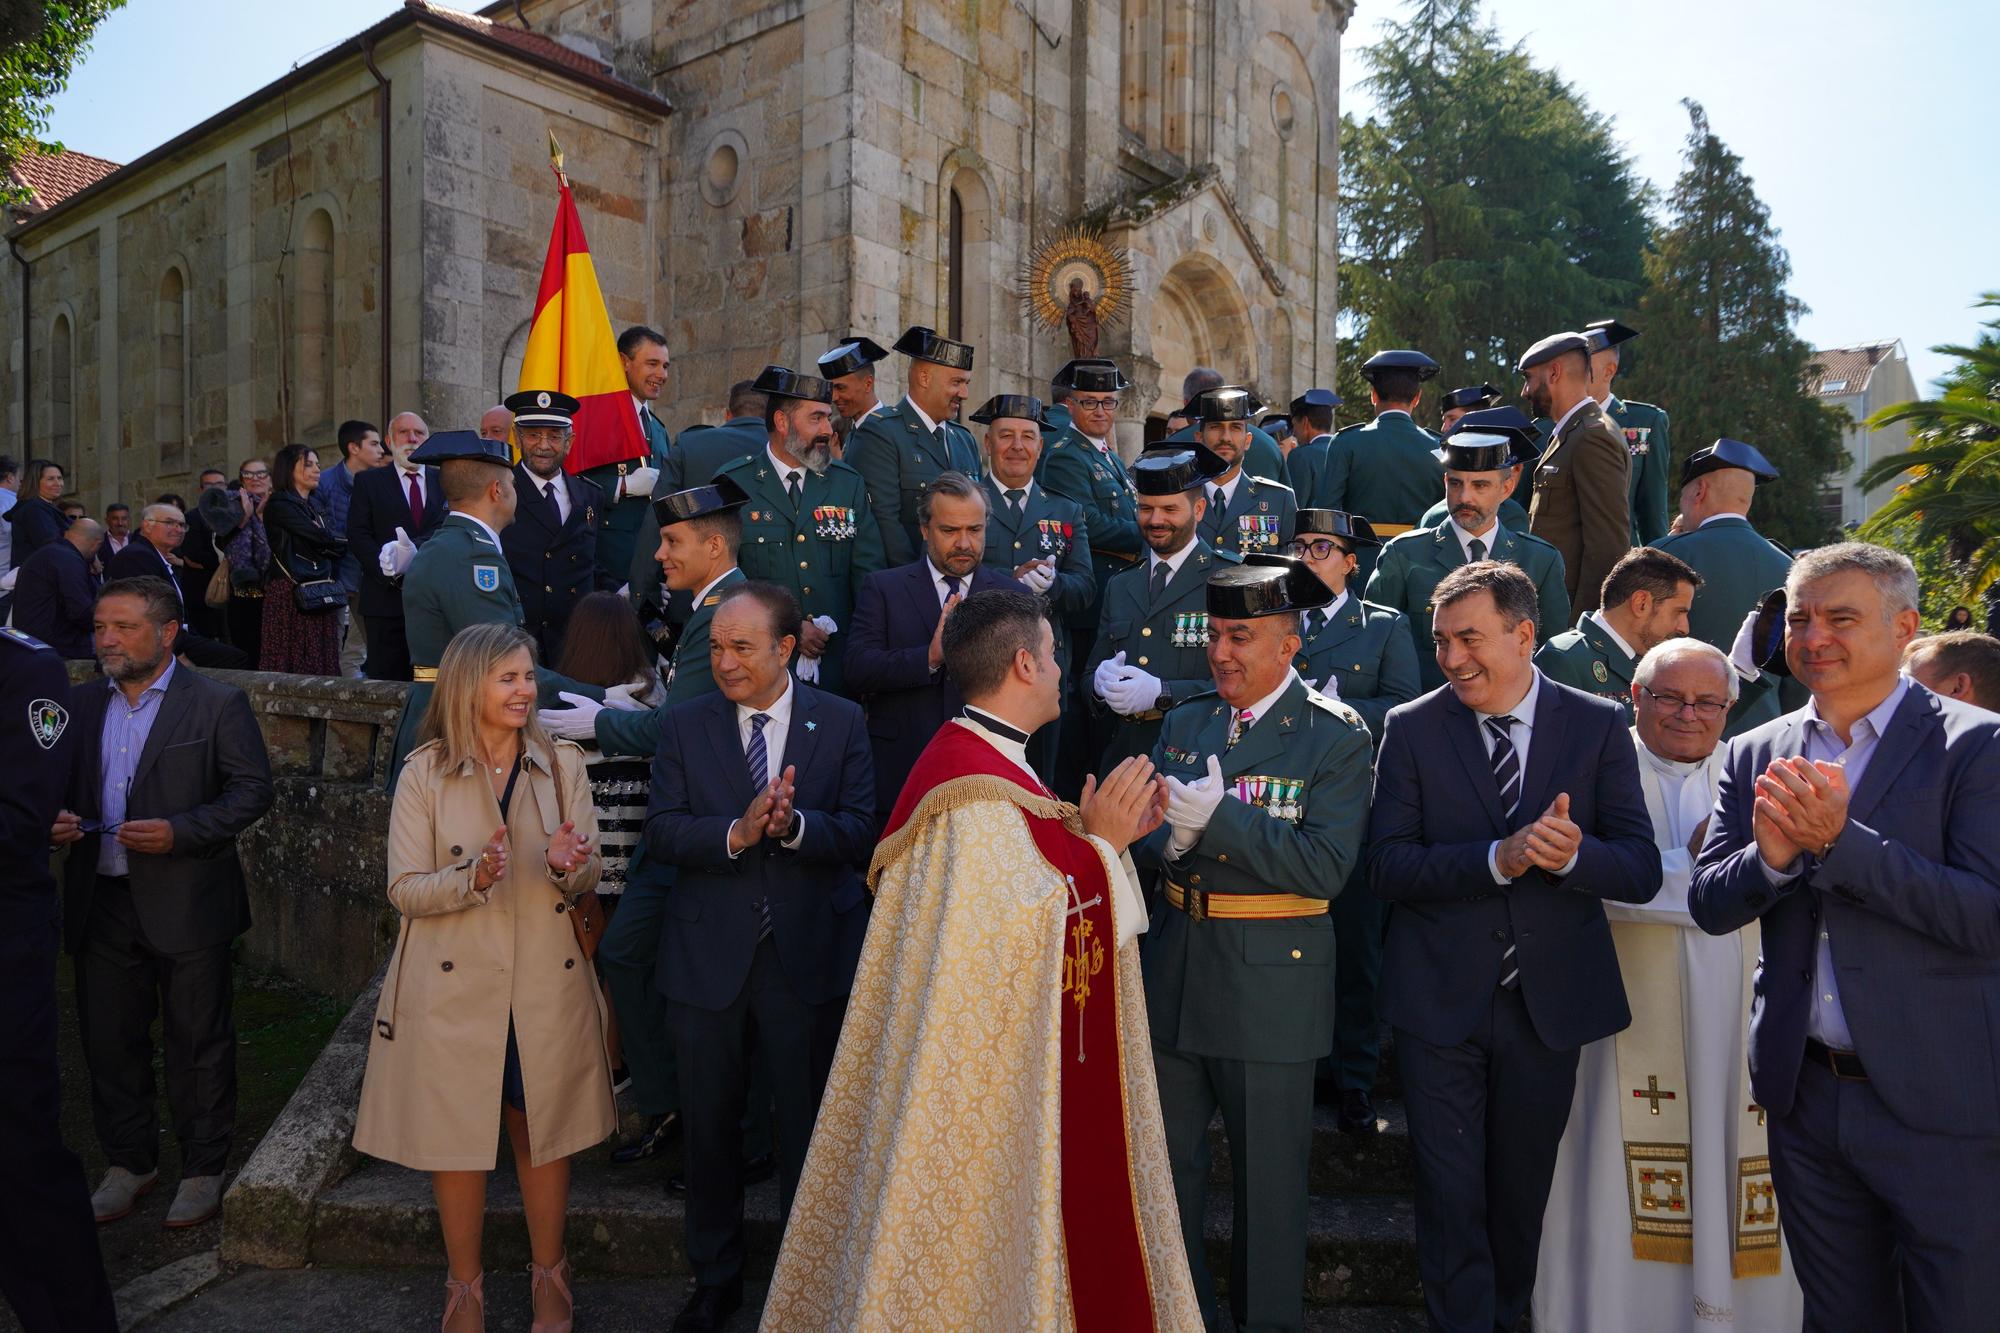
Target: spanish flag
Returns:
[571, 348]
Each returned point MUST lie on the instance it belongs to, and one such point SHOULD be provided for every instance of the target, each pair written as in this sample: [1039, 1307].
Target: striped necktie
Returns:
[1507, 775]
[1238, 725]
[758, 758]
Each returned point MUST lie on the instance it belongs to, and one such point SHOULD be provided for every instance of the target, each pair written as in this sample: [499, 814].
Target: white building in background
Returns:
[1863, 380]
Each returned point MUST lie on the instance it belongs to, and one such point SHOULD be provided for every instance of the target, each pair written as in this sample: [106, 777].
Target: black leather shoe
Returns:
[652, 1141]
[756, 1170]
[710, 1307]
[1357, 1112]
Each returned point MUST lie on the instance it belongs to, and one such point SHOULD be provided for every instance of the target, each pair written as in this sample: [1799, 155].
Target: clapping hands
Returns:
[1549, 843]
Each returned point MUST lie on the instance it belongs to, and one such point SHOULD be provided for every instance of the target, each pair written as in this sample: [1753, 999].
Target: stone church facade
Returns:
[365, 234]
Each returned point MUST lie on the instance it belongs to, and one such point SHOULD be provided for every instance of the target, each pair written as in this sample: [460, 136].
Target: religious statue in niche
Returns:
[1074, 282]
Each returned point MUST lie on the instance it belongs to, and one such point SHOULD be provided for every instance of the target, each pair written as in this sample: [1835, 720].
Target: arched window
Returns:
[312, 342]
[954, 261]
[170, 393]
[968, 259]
[62, 394]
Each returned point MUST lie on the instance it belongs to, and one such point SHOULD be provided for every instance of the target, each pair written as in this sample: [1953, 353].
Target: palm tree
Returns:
[1954, 496]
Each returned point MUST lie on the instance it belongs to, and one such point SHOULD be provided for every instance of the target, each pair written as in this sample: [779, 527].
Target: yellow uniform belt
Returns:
[1393, 529]
[1150, 715]
[427, 675]
[1200, 904]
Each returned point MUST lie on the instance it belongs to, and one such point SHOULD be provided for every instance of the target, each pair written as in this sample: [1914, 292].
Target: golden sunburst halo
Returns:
[1076, 252]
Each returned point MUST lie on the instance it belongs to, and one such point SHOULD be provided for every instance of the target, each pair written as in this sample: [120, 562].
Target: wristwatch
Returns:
[1165, 700]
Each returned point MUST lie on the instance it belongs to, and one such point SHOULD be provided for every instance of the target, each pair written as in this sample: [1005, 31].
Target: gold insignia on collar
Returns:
[1284, 722]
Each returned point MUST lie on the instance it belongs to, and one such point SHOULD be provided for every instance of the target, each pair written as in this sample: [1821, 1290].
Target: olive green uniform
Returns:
[1261, 457]
[1054, 528]
[1258, 519]
[1167, 636]
[1589, 659]
[1512, 517]
[898, 458]
[1416, 562]
[1645, 429]
[626, 519]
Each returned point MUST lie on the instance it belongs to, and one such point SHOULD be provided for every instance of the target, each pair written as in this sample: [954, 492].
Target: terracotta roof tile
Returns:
[50, 178]
[1845, 370]
[531, 44]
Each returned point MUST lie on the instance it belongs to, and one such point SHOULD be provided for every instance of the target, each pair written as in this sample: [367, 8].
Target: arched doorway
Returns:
[1199, 318]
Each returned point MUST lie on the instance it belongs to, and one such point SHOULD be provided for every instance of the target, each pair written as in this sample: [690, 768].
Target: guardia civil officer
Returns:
[1245, 513]
[904, 449]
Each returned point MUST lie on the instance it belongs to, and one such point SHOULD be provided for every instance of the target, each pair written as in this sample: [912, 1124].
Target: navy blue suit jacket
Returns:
[554, 560]
[888, 667]
[1436, 812]
[55, 599]
[701, 784]
[1911, 896]
[378, 506]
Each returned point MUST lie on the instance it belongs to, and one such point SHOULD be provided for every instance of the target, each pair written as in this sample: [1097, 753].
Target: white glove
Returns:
[827, 623]
[395, 556]
[1742, 653]
[1330, 687]
[575, 723]
[1107, 671]
[1038, 579]
[1132, 691]
[624, 697]
[1190, 805]
[7, 579]
[639, 482]
[809, 669]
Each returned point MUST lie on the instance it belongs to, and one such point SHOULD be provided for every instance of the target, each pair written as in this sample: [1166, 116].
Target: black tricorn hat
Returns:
[1487, 441]
[858, 353]
[1607, 333]
[1727, 453]
[541, 407]
[1176, 470]
[1335, 523]
[1023, 405]
[718, 497]
[449, 446]
[783, 382]
[1225, 402]
[1473, 398]
[1264, 585]
[1091, 374]
[927, 345]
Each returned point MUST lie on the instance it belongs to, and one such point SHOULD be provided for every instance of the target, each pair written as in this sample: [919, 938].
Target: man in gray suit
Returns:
[1860, 830]
[170, 770]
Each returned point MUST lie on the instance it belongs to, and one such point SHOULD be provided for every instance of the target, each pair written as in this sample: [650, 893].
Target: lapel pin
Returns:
[812, 726]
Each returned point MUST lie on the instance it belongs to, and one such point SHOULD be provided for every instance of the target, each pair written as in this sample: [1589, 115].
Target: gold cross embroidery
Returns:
[1083, 959]
[1651, 1092]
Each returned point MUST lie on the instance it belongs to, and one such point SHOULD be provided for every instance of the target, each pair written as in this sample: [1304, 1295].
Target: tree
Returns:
[1483, 204]
[40, 41]
[1954, 498]
[1721, 348]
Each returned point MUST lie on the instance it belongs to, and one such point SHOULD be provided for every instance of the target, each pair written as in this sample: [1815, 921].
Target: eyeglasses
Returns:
[167, 522]
[1319, 549]
[1706, 709]
[252, 476]
[1096, 404]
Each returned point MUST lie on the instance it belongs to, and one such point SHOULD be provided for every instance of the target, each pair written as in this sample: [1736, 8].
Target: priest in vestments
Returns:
[989, 1151]
[1662, 1217]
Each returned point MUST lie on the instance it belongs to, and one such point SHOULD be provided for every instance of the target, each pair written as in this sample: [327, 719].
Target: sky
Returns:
[1853, 117]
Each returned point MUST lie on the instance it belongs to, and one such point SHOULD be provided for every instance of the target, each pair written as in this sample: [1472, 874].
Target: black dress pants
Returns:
[388, 649]
[122, 982]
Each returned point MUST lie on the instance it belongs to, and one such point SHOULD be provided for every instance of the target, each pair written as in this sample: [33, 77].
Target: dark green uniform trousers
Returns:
[1360, 920]
[1267, 1114]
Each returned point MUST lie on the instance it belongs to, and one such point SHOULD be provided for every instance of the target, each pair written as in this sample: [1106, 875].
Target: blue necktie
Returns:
[759, 759]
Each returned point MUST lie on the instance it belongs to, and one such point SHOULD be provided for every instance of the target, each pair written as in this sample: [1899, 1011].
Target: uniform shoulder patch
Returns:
[486, 578]
[1328, 704]
[1265, 483]
[46, 721]
[1228, 557]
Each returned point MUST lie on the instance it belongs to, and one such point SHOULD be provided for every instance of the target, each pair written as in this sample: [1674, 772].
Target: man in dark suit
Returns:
[162, 529]
[170, 770]
[57, 587]
[1860, 830]
[50, 1268]
[763, 800]
[1506, 807]
[552, 544]
[397, 507]
[895, 657]
[1581, 504]
[199, 560]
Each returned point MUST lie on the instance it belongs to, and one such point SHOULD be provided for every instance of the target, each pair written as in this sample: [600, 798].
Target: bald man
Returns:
[397, 506]
[496, 423]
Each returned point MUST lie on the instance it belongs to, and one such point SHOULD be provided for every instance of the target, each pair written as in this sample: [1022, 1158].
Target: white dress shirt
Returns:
[930, 427]
[1181, 840]
[1466, 538]
[553, 488]
[1228, 489]
[1172, 562]
[403, 476]
[1597, 617]
[786, 471]
[1522, 734]
[938, 578]
[776, 730]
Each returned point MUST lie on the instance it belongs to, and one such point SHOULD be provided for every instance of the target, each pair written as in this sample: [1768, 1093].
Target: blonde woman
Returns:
[490, 1010]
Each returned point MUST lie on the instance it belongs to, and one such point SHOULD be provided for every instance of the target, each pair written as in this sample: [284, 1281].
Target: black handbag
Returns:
[313, 597]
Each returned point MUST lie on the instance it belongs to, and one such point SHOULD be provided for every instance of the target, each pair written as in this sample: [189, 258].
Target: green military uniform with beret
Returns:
[1239, 966]
[898, 456]
[1589, 659]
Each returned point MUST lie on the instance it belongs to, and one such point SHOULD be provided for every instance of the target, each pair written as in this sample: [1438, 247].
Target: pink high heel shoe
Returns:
[460, 1294]
[558, 1276]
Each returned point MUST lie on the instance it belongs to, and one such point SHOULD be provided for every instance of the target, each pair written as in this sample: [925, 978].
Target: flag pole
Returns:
[556, 160]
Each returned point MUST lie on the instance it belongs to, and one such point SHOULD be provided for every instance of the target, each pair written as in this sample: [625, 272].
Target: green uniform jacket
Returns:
[1366, 648]
[1303, 463]
[1581, 506]
[458, 579]
[821, 552]
[1512, 516]
[1416, 562]
[1054, 528]
[1259, 520]
[1588, 659]
[1261, 457]
[1645, 430]
[700, 453]
[1738, 565]
[1096, 480]
[1292, 822]
[1168, 638]
[1385, 470]
[898, 459]
[626, 519]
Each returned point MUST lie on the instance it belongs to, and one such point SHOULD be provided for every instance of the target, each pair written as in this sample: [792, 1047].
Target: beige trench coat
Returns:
[430, 1099]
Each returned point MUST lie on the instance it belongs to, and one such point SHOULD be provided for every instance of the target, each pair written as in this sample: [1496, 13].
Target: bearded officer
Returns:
[552, 544]
[1524, 433]
[1643, 425]
[1267, 806]
[904, 449]
[1152, 634]
[1479, 457]
[1245, 514]
[1646, 597]
[1580, 505]
[808, 525]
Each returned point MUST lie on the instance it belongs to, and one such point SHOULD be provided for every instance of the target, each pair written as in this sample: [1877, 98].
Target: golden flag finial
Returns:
[556, 158]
